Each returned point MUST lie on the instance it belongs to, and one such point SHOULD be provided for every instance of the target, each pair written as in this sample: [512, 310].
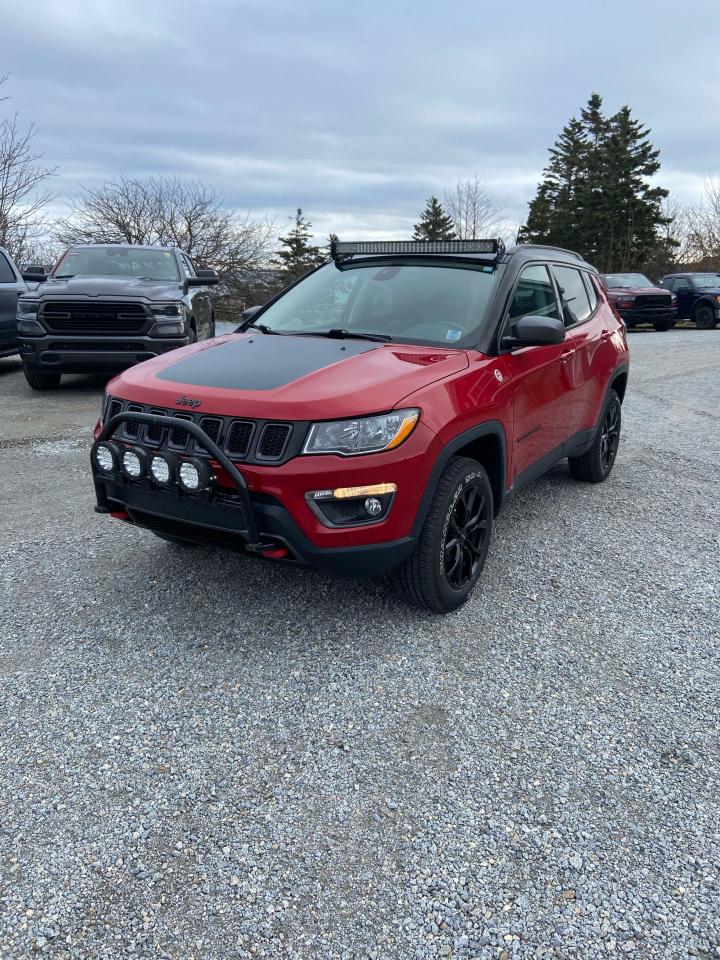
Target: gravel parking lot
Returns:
[203, 756]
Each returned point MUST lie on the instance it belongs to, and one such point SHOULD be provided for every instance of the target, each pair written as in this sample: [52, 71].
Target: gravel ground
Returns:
[204, 756]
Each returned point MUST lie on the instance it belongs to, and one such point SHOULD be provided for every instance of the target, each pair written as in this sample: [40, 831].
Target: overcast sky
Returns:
[355, 111]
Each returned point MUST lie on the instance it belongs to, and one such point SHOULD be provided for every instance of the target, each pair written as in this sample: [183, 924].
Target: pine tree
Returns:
[299, 256]
[594, 196]
[434, 223]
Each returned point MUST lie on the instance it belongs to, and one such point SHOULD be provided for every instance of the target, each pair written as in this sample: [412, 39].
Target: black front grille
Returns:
[246, 440]
[154, 433]
[132, 430]
[178, 436]
[273, 440]
[649, 300]
[239, 437]
[100, 319]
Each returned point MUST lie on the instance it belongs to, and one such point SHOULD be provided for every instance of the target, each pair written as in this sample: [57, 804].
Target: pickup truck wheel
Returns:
[595, 464]
[630, 324]
[705, 317]
[662, 326]
[192, 333]
[453, 544]
[42, 379]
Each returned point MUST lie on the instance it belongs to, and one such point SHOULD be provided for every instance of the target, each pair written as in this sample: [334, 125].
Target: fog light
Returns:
[373, 506]
[352, 506]
[194, 476]
[161, 470]
[107, 457]
[134, 464]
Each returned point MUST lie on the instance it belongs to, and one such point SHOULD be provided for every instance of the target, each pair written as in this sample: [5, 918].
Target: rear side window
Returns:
[534, 295]
[6, 273]
[681, 283]
[592, 290]
[575, 301]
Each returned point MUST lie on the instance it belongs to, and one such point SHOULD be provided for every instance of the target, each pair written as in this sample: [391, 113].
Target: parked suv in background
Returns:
[698, 297]
[638, 301]
[376, 415]
[106, 307]
[11, 286]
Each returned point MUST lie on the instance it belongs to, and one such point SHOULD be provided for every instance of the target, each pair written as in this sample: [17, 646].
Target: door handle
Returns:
[567, 354]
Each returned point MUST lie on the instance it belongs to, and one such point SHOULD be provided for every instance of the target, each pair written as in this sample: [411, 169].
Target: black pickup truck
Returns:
[107, 307]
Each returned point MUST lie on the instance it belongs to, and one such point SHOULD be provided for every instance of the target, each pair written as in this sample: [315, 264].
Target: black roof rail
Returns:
[341, 250]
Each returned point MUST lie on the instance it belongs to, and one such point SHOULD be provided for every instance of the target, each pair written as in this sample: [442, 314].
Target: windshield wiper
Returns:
[246, 324]
[348, 335]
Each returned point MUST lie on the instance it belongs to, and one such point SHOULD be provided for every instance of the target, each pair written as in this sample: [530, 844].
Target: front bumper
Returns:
[648, 314]
[250, 519]
[87, 354]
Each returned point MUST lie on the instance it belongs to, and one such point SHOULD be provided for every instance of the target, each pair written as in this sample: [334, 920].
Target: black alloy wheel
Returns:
[467, 533]
[453, 543]
[705, 317]
[595, 464]
[610, 436]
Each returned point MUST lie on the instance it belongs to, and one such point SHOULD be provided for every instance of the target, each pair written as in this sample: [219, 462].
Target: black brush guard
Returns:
[254, 544]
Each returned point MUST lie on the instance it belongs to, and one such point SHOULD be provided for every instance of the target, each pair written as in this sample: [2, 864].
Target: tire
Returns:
[42, 379]
[662, 326]
[450, 553]
[192, 333]
[705, 317]
[595, 464]
[175, 540]
[630, 324]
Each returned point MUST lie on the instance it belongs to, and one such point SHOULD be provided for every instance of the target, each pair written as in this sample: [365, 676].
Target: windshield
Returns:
[706, 281]
[626, 280]
[116, 261]
[428, 304]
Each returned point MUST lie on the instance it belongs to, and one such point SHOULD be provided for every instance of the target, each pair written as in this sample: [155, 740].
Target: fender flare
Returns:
[704, 301]
[489, 428]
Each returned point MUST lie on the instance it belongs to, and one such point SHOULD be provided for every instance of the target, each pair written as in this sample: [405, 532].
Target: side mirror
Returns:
[34, 273]
[204, 278]
[535, 332]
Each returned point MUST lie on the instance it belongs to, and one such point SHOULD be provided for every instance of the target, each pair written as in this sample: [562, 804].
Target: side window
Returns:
[6, 272]
[592, 290]
[534, 295]
[681, 283]
[575, 302]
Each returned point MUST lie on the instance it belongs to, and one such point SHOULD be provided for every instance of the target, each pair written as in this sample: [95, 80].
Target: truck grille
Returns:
[646, 301]
[100, 319]
[244, 440]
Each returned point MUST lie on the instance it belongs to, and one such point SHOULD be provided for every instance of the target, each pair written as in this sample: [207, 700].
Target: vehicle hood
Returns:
[287, 377]
[635, 291]
[111, 287]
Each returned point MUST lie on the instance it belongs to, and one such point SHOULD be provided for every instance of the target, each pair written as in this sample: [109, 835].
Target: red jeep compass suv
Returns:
[376, 415]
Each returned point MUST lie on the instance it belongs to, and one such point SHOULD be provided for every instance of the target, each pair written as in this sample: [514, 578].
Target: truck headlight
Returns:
[29, 328]
[363, 435]
[27, 308]
[168, 310]
[164, 328]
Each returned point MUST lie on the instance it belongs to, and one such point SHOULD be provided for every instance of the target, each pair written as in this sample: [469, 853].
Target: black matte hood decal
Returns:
[262, 362]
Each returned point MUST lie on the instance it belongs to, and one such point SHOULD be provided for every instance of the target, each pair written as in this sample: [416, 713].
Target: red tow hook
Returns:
[120, 514]
[275, 553]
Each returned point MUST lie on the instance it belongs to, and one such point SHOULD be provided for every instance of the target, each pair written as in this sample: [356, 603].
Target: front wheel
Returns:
[42, 379]
[595, 464]
[662, 326]
[705, 317]
[453, 544]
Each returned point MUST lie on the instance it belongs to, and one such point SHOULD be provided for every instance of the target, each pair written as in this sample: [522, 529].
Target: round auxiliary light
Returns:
[107, 457]
[373, 506]
[194, 476]
[161, 470]
[134, 464]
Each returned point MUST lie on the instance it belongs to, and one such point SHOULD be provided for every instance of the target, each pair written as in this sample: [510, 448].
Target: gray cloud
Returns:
[356, 112]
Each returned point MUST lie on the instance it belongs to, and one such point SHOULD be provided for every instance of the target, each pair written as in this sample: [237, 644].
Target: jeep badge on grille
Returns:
[184, 401]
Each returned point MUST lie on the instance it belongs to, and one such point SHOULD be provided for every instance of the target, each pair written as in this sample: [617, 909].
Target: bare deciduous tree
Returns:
[170, 211]
[703, 227]
[23, 188]
[473, 211]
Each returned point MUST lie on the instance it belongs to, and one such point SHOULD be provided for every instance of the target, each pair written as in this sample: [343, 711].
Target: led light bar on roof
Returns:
[341, 248]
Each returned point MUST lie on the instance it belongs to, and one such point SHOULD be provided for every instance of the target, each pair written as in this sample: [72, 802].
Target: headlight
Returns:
[168, 310]
[27, 308]
[364, 435]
